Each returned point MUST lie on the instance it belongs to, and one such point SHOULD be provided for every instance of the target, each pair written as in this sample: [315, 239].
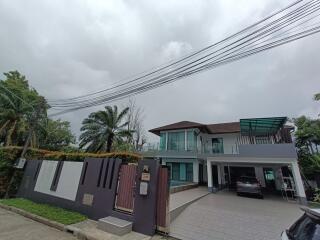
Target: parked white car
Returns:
[307, 227]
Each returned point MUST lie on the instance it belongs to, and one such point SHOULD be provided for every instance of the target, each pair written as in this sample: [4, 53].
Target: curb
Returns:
[174, 213]
[34, 217]
[78, 233]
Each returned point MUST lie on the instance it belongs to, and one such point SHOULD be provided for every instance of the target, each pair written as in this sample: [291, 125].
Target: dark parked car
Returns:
[306, 227]
[249, 185]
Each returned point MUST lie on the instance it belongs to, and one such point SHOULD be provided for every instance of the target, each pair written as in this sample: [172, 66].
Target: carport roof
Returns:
[261, 126]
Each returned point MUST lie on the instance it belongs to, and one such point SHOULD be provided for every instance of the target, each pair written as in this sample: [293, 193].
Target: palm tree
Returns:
[101, 129]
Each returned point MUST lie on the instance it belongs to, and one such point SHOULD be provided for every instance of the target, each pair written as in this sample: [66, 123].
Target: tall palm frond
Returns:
[102, 128]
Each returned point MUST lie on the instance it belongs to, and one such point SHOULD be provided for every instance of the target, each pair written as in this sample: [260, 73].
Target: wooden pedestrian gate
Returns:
[163, 196]
[126, 188]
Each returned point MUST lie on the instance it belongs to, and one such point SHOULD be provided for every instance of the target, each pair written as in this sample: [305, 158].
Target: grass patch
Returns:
[57, 214]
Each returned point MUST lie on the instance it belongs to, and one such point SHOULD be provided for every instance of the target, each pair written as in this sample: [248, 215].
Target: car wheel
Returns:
[260, 196]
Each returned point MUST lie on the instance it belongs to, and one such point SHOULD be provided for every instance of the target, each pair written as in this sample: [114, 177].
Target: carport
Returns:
[281, 176]
[262, 153]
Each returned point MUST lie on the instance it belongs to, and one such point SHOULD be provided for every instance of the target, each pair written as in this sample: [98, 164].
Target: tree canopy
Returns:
[21, 107]
[55, 135]
[307, 139]
[17, 103]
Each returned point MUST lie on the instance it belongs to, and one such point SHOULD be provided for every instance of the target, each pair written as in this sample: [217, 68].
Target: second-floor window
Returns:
[217, 145]
[163, 141]
[176, 141]
[191, 140]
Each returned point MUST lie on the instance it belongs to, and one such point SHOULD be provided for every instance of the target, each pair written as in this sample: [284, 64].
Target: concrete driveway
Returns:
[225, 216]
[17, 227]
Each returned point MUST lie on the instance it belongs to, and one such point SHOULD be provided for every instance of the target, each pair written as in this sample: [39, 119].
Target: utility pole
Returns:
[33, 122]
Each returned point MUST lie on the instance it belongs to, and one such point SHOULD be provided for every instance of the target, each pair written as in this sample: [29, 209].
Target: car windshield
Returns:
[306, 228]
[248, 179]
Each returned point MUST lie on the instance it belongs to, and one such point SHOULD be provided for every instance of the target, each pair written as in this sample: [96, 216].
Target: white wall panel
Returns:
[45, 176]
[68, 182]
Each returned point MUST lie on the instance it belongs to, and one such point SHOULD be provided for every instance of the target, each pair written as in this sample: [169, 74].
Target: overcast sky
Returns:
[69, 48]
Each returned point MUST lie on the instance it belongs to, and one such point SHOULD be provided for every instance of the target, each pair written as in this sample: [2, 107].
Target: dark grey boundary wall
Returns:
[99, 180]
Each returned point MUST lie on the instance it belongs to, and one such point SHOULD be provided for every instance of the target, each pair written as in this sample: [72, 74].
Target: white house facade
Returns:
[216, 155]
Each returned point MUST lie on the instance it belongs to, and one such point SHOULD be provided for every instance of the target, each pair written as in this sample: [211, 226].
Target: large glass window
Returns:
[217, 145]
[181, 171]
[176, 141]
[191, 140]
[163, 141]
[189, 170]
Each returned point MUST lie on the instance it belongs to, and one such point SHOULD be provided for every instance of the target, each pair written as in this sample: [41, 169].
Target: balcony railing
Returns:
[243, 146]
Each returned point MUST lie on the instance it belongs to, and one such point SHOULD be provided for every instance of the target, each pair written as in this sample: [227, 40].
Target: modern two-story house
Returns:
[217, 154]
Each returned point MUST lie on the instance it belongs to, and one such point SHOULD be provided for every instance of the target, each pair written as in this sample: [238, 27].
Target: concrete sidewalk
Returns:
[16, 227]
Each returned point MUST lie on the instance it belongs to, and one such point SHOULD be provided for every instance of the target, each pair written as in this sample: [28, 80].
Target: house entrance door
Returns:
[126, 188]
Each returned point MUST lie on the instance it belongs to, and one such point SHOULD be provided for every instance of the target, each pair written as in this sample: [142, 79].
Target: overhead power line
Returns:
[296, 21]
[172, 63]
[16, 96]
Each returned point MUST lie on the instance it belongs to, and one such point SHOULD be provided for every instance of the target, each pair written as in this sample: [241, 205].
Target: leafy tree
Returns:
[17, 106]
[317, 97]
[55, 135]
[307, 138]
[101, 129]
[307, 134]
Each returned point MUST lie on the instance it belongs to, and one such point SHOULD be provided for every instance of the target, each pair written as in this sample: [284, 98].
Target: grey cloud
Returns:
[69, 48]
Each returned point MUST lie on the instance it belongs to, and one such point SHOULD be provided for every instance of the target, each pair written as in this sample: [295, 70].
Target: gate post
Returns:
[145, 205]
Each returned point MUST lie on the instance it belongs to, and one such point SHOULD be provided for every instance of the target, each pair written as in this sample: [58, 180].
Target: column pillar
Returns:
[209, 176]
[298, 183]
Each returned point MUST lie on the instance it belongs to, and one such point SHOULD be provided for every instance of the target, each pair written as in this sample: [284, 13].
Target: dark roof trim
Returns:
[231, 127]
[254, 125]
[177, 126]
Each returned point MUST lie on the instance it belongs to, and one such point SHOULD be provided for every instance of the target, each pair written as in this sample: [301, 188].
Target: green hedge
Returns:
[8, 155]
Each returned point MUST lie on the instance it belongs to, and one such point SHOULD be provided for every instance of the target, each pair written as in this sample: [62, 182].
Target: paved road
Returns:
[225, 216]
[17, 227]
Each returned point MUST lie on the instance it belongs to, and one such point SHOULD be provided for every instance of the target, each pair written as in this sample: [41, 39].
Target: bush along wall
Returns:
[8, 155]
